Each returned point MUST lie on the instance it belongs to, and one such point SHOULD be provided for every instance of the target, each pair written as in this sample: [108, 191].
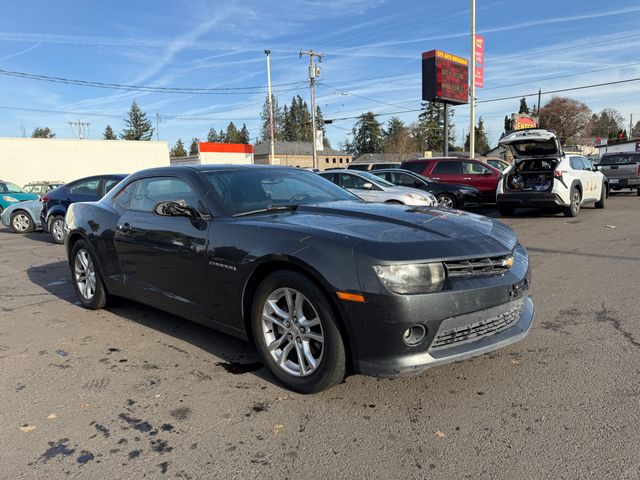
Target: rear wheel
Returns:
[87, 279]
[21, 222]
[296, 333]
[637, 193]
[56, 228]
[574, 207]
[446, 201]
[506, 211]
[602, 203]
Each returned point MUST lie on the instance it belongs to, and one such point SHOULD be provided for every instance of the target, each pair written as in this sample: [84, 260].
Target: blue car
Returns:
[22, 217]
[56, 202]
[11, 193]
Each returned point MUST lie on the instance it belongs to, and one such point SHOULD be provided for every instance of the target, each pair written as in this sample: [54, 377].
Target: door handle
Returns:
[466, 178]
[124, 227]
[435, 178]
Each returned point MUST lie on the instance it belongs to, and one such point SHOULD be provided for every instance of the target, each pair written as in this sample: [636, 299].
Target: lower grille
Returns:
[479, 266]
[477, 330]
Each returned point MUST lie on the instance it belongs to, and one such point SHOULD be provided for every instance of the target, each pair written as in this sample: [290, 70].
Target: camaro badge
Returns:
[222, 265]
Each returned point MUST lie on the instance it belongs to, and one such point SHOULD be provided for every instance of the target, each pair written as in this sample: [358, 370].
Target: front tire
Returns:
[56, 228]
[21, 222]
[446, 201]
[602, 203]
[87, 279]
[296, 333]
[574, 207]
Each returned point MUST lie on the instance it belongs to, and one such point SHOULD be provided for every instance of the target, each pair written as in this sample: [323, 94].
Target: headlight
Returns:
[8, 198]
[412, 278]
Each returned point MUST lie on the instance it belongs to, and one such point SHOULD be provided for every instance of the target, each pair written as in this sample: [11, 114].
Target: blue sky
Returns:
[372, 60]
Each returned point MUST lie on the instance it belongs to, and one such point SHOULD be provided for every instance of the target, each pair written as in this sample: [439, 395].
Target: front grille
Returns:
[477, 330]
[479, 266]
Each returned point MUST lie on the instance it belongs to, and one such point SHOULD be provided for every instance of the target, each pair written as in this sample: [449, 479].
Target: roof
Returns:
[294, 148]
[386, 157]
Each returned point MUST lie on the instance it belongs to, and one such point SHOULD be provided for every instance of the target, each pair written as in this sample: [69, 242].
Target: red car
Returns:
[458, 170]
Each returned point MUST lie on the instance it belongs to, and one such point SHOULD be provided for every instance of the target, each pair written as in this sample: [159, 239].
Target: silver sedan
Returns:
[371, 188]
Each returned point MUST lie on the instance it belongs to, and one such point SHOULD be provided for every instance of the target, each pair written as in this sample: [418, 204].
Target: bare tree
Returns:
[568, 117]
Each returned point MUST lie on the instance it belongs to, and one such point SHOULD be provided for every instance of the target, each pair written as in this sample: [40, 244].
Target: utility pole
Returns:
[445, 150]
[272, 147]
[157, 127]
[630, 126]
[472, 86]
[312, 78]
[82, 134]
[539, 95]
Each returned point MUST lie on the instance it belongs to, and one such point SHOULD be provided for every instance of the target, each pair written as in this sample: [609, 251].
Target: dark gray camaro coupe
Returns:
[318, 280]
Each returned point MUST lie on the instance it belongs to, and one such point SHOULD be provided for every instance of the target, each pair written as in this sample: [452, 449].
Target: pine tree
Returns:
[138, 126]
[635, 131]
[481, 140]
[524, 108]
[178, 149]
[278, 121]
[40, 132]
[397, 139]
[290, 131]
[367, 136]
[194, 149]
[430, 129]
[212, 136]
[306, 135]
[508, 123]
[321, 126]
[232, 135]
[108, 134]
[244, 135]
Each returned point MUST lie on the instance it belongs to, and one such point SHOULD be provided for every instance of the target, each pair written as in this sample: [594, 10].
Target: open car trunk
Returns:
[532, 175]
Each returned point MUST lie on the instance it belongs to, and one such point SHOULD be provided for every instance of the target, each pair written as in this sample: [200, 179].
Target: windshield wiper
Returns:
[268, 209]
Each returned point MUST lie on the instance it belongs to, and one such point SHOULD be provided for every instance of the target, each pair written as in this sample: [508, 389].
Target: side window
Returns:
[415, 167]
[143, 195]
[586, 164]
[352, 181]
[448, 168]
[330, 176]
[109, 183]
[86, 188]
[475, 168]
[575, 163]
[405, 180]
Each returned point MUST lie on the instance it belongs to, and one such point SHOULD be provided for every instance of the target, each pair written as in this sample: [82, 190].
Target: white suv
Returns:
[543, 176]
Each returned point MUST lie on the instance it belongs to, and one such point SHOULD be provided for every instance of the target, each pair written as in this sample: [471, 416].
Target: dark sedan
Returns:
[449, 195]
[317, 279]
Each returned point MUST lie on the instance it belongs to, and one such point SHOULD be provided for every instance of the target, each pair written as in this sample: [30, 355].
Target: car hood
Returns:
[531, 143]
[395, 232]
[21, 196]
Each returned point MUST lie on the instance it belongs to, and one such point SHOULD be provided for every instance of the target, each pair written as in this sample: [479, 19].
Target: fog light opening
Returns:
[414, 335]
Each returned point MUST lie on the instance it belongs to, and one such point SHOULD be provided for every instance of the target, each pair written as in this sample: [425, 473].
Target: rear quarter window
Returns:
[415, 167]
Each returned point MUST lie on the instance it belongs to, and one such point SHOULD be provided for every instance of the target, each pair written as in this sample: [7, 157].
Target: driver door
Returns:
[163, 258]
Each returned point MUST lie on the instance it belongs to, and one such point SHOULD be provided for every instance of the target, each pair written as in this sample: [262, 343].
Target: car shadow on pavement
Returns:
[237, 356]
[40, 236]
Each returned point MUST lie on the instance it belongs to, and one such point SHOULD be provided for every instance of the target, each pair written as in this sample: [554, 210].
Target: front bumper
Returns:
[471, 316]
[529, 200]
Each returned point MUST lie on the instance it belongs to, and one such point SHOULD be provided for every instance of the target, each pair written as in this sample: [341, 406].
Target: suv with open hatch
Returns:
[543, 176]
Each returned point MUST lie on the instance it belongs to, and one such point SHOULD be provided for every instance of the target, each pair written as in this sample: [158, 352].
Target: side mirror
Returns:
[176, 209]
[367, 186]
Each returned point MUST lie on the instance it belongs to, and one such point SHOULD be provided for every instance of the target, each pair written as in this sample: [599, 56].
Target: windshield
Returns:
[620, 159]
[376, 179]
[10, 188]
[526, 148]
[249, 190]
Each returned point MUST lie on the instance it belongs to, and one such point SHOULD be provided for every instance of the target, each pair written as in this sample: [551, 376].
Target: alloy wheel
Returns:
[575, 202]
[445, 201]
[292, 332]
[85, 274]
[57, 230]
[21, 222]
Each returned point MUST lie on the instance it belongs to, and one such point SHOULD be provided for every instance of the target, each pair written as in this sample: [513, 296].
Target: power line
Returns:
[144, 88]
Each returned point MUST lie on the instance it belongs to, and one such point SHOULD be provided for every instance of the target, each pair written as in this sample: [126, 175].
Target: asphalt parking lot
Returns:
[131, 392]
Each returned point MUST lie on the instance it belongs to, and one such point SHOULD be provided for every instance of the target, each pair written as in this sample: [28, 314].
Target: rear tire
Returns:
[86, 277]
[602, 203]
[21, 222]
[292, 315]
[574, 207]
[506, 211]
[638, 192]
[56, 229]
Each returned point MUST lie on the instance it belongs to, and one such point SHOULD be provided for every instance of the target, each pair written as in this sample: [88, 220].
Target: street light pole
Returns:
[271, 139]
[312, 78]
[472, 86]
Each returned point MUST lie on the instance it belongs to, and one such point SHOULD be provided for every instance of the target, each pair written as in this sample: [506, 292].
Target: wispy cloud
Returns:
[21, 52]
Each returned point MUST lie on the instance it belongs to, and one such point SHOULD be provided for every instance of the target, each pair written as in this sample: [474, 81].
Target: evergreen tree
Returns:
[321, 126]
[635, 131]
[430, 129]
[397, 139]
[108, 134]
[138, 127]
[40, 132]
[232, 135]
[481, 140]
[291, 127]
[194, 149]
[306, 134]
[524, 108]
[608, 120]
[508, 123]
[278, 121]
[212, 136]
[367, 136]
[178, 150]
[244, 135]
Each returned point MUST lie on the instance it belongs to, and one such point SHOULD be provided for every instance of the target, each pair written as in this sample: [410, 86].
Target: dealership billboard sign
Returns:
[445, 78]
